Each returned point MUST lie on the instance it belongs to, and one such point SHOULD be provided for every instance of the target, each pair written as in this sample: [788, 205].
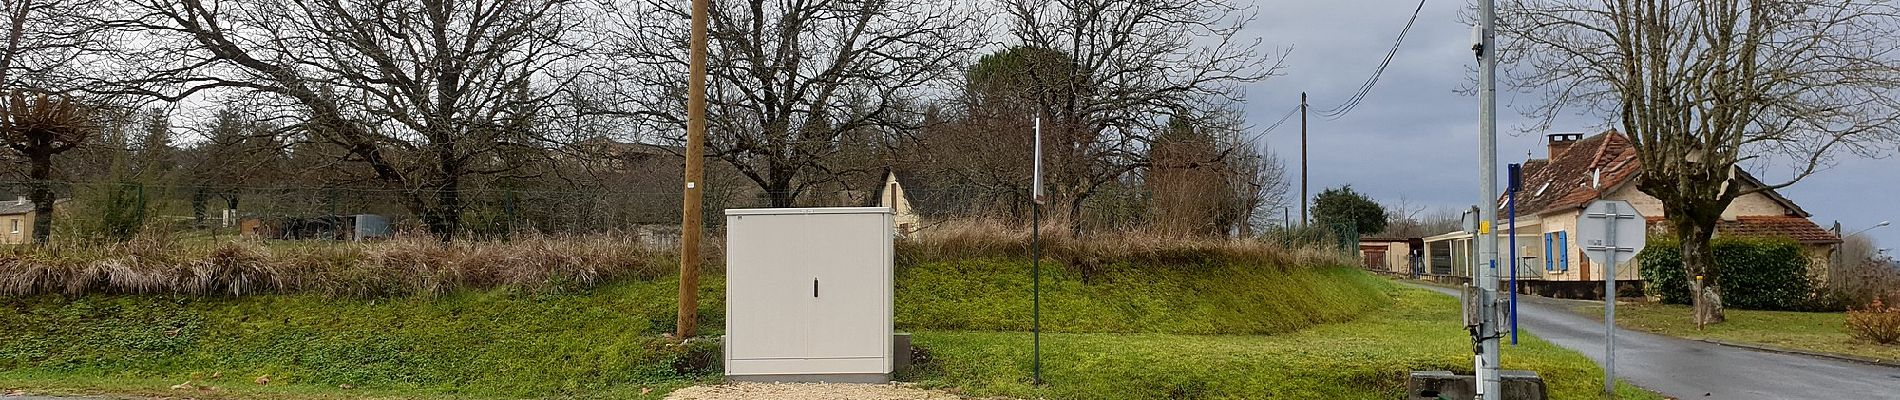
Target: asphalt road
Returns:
[1690, 369]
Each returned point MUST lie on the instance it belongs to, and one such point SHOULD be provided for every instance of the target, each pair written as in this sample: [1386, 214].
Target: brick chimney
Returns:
[1561, 141]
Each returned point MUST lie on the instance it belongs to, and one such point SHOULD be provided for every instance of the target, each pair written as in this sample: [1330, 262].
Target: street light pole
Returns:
[1876, 226]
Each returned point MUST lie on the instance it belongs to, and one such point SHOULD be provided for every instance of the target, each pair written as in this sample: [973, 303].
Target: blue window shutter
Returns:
[1549, 265]
[1563, 244]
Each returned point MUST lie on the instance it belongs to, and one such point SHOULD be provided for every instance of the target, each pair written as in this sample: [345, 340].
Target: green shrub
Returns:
[1755, 273]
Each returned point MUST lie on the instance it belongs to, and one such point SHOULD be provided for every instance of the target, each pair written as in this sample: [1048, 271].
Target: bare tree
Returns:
[1255, 178]
[37, 127]
[1702, 87]
[1212, 179]
[47, 45]
[1405, 220]
[1187, 182]
[422, 95]
[796, 87]
[1126, 67]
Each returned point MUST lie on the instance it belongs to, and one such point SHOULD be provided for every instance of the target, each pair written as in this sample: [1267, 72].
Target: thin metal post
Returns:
[1035, 256]
[1514, 266]
[1035, 253]
[1609, 302]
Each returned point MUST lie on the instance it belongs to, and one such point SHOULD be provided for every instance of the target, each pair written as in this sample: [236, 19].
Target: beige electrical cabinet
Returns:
[808, 294]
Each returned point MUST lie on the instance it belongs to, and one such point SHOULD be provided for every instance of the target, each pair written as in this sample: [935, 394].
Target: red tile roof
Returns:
[1793, 227]
[1564, 181]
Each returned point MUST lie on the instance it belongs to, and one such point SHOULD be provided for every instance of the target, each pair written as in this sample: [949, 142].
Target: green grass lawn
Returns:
[1212, 298]
[1805, 331]
[477, 344]
[1184, 331]
[1364, 359]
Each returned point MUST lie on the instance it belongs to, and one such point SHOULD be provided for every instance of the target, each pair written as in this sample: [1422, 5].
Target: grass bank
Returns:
[498, 343]
[1366, 358]
[1822, 332]
[1135, 316]
[1211, 297]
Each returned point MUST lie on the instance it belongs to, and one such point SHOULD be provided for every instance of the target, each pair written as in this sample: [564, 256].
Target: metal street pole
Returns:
[1035, 253]
[687, 325]
[1609, 303]
[1511, 189]
[1487, 363]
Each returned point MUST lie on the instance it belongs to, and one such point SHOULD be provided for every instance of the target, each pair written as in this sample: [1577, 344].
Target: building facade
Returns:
[1580, 170]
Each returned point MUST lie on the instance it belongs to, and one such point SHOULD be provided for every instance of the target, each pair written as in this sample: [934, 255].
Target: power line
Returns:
[1282, 121]
[1364, 89]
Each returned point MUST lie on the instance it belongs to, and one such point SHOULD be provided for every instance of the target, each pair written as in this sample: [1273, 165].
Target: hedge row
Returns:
[1754, 273]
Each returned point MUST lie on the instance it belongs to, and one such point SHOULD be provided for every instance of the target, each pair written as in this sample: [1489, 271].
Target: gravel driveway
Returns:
[808, 391]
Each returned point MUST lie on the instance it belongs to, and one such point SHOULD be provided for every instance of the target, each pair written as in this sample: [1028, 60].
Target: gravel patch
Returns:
[809, 391]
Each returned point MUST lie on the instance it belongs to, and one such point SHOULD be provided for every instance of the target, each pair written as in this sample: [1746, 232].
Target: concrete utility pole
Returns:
[688, 323]
[1487, 282]
[1303, 194]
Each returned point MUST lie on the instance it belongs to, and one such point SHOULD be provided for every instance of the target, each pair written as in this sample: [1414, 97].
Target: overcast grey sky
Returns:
[1415, 137]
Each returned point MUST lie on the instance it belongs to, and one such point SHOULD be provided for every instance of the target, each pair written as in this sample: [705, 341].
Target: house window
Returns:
[16, 225]
[1557, 251]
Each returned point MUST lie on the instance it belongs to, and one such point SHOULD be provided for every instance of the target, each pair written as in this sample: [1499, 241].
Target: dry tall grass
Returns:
[406, 265]
[992, 238]
[160, 264]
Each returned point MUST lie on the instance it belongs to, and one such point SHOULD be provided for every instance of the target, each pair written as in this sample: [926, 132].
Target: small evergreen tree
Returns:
[1343, 206]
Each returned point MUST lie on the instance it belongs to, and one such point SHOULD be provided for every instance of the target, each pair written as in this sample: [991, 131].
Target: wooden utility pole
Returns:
[688, 323]
[1303, 159]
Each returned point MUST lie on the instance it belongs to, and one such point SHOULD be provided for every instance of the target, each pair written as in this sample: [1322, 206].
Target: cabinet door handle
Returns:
[814, 287]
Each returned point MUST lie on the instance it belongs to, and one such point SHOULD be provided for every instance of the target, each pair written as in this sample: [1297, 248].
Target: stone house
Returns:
[1580, 170]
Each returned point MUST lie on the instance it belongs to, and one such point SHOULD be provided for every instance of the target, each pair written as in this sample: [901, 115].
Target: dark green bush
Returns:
[1755, 273]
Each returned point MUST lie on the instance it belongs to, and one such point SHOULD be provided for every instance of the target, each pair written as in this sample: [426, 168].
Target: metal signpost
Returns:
[1035, 251]
[1514, 175]
[1611, 232]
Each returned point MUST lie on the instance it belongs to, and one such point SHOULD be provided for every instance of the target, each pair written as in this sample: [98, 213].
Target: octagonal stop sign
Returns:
[1611, 231]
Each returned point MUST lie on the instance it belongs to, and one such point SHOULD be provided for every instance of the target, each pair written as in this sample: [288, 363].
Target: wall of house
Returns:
[17, 228]
[1561, 222]
[902, 214]
[1397, 256]
[1580, 266]
[1645, 204]
[1752, 204]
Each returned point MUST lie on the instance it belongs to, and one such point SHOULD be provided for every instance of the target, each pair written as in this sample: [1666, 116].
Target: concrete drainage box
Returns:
[808, 294]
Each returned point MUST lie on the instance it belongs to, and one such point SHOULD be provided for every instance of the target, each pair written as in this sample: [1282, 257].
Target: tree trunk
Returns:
[42, 196]
[1075, 215]
[1698, 260]
[779, 190]
[445, 216]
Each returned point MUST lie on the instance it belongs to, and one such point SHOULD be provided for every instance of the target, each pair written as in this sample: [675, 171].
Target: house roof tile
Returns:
[1565, 180]
[1798, 228]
